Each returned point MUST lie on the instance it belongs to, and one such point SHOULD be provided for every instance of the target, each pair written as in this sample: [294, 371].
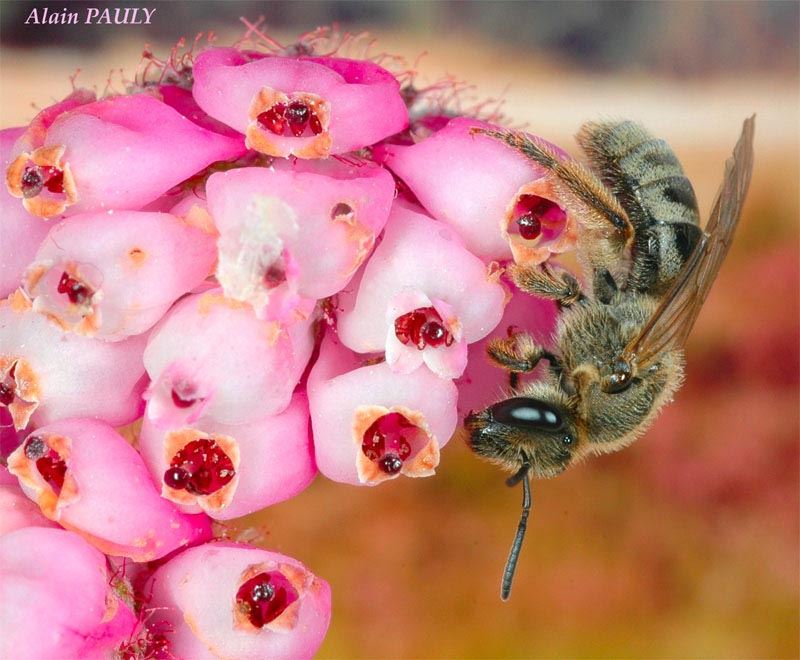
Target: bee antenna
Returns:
[513, 555]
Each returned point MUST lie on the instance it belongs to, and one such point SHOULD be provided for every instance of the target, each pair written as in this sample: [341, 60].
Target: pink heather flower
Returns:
[498, 201]
[183, 101]
[48, 374]
[57, 598]
[210, 357]
[86, 477]
[16, 510]
[115, 274]
[119, 153]
[10, 438]
[295, 232]
[231, 471]
[483, 383]
[22, 233]
[422, 297]
[309, 107]
[228, 600]
[371, 424]
[36, 132]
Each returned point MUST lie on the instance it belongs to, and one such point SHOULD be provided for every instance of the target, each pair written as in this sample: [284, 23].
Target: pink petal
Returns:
[358, 103]
[275, 461]
[421, 254]
[194, 596]
[106, 494]
[446, 361]
[57, 598]
[224, 363]
[469, 181]
[22, 232]
[344, 396]
[16, 510]
[483, 383]
[60, 374]
[131, 265]
[36, 132]
[114, 152]
[320, 217]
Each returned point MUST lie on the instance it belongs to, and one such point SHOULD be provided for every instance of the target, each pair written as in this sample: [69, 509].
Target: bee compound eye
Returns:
[527, 413]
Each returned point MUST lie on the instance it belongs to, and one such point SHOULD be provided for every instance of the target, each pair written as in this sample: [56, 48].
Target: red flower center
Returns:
[49, 464]
[265, 597]
[298, 117]
[77, 292]
[534, 211]
[34, 178]
[422, 327]
[275, 274]
[201, 468]
[8, 387]
[388, 441]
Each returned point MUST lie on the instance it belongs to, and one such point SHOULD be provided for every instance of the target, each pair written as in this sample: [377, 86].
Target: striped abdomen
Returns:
[647, 179]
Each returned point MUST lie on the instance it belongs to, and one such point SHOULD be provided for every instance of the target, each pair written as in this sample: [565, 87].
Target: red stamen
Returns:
[207, 467]
[77, 292]
[273, 119]
[6, 394]
[297, 114]
[315, 124]
[534, 211]
[49, 464]
[529, 226]
[422, 327]
[386, 442]
[32, 181]
[265, 597]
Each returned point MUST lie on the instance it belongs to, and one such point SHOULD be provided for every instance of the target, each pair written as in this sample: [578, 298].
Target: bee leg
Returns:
[544, 282]
[519, 354]
[604, 286]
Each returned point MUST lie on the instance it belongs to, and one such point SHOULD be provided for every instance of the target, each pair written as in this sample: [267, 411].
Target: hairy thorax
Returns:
[591, 335]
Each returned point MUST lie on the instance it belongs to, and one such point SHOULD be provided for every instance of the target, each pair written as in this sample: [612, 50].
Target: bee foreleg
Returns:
[519, 354]
[545, 282]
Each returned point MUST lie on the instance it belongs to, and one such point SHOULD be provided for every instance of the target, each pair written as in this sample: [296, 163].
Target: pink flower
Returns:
[86, 477]
[422, 297]
[295, 232]
[482, 382]
[47, 373]
[182, 100]
[119, 153]
[16, 510]
[115, 274]
[309, 107]
[228, 600]
[498, 201]
[371, 424]
[229, 471]
[58, 600]
[23, 231]
[210, 357]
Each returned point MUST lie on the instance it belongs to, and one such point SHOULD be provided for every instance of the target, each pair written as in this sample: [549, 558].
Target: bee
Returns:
[618, 355]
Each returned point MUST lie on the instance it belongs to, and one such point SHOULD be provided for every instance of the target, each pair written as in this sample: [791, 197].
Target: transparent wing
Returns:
[672, 321]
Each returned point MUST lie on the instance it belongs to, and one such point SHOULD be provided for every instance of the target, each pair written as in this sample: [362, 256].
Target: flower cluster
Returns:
[262, 266]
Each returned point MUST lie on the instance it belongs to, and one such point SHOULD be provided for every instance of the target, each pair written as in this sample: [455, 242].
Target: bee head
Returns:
[524, 429]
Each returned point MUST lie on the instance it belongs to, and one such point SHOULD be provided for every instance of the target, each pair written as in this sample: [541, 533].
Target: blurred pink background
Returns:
[684, 545]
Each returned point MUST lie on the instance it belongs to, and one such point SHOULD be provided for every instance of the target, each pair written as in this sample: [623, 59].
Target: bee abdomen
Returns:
[642, 171]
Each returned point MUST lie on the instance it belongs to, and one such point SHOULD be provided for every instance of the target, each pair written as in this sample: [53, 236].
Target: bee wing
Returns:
[671, 323]
[604, 228]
